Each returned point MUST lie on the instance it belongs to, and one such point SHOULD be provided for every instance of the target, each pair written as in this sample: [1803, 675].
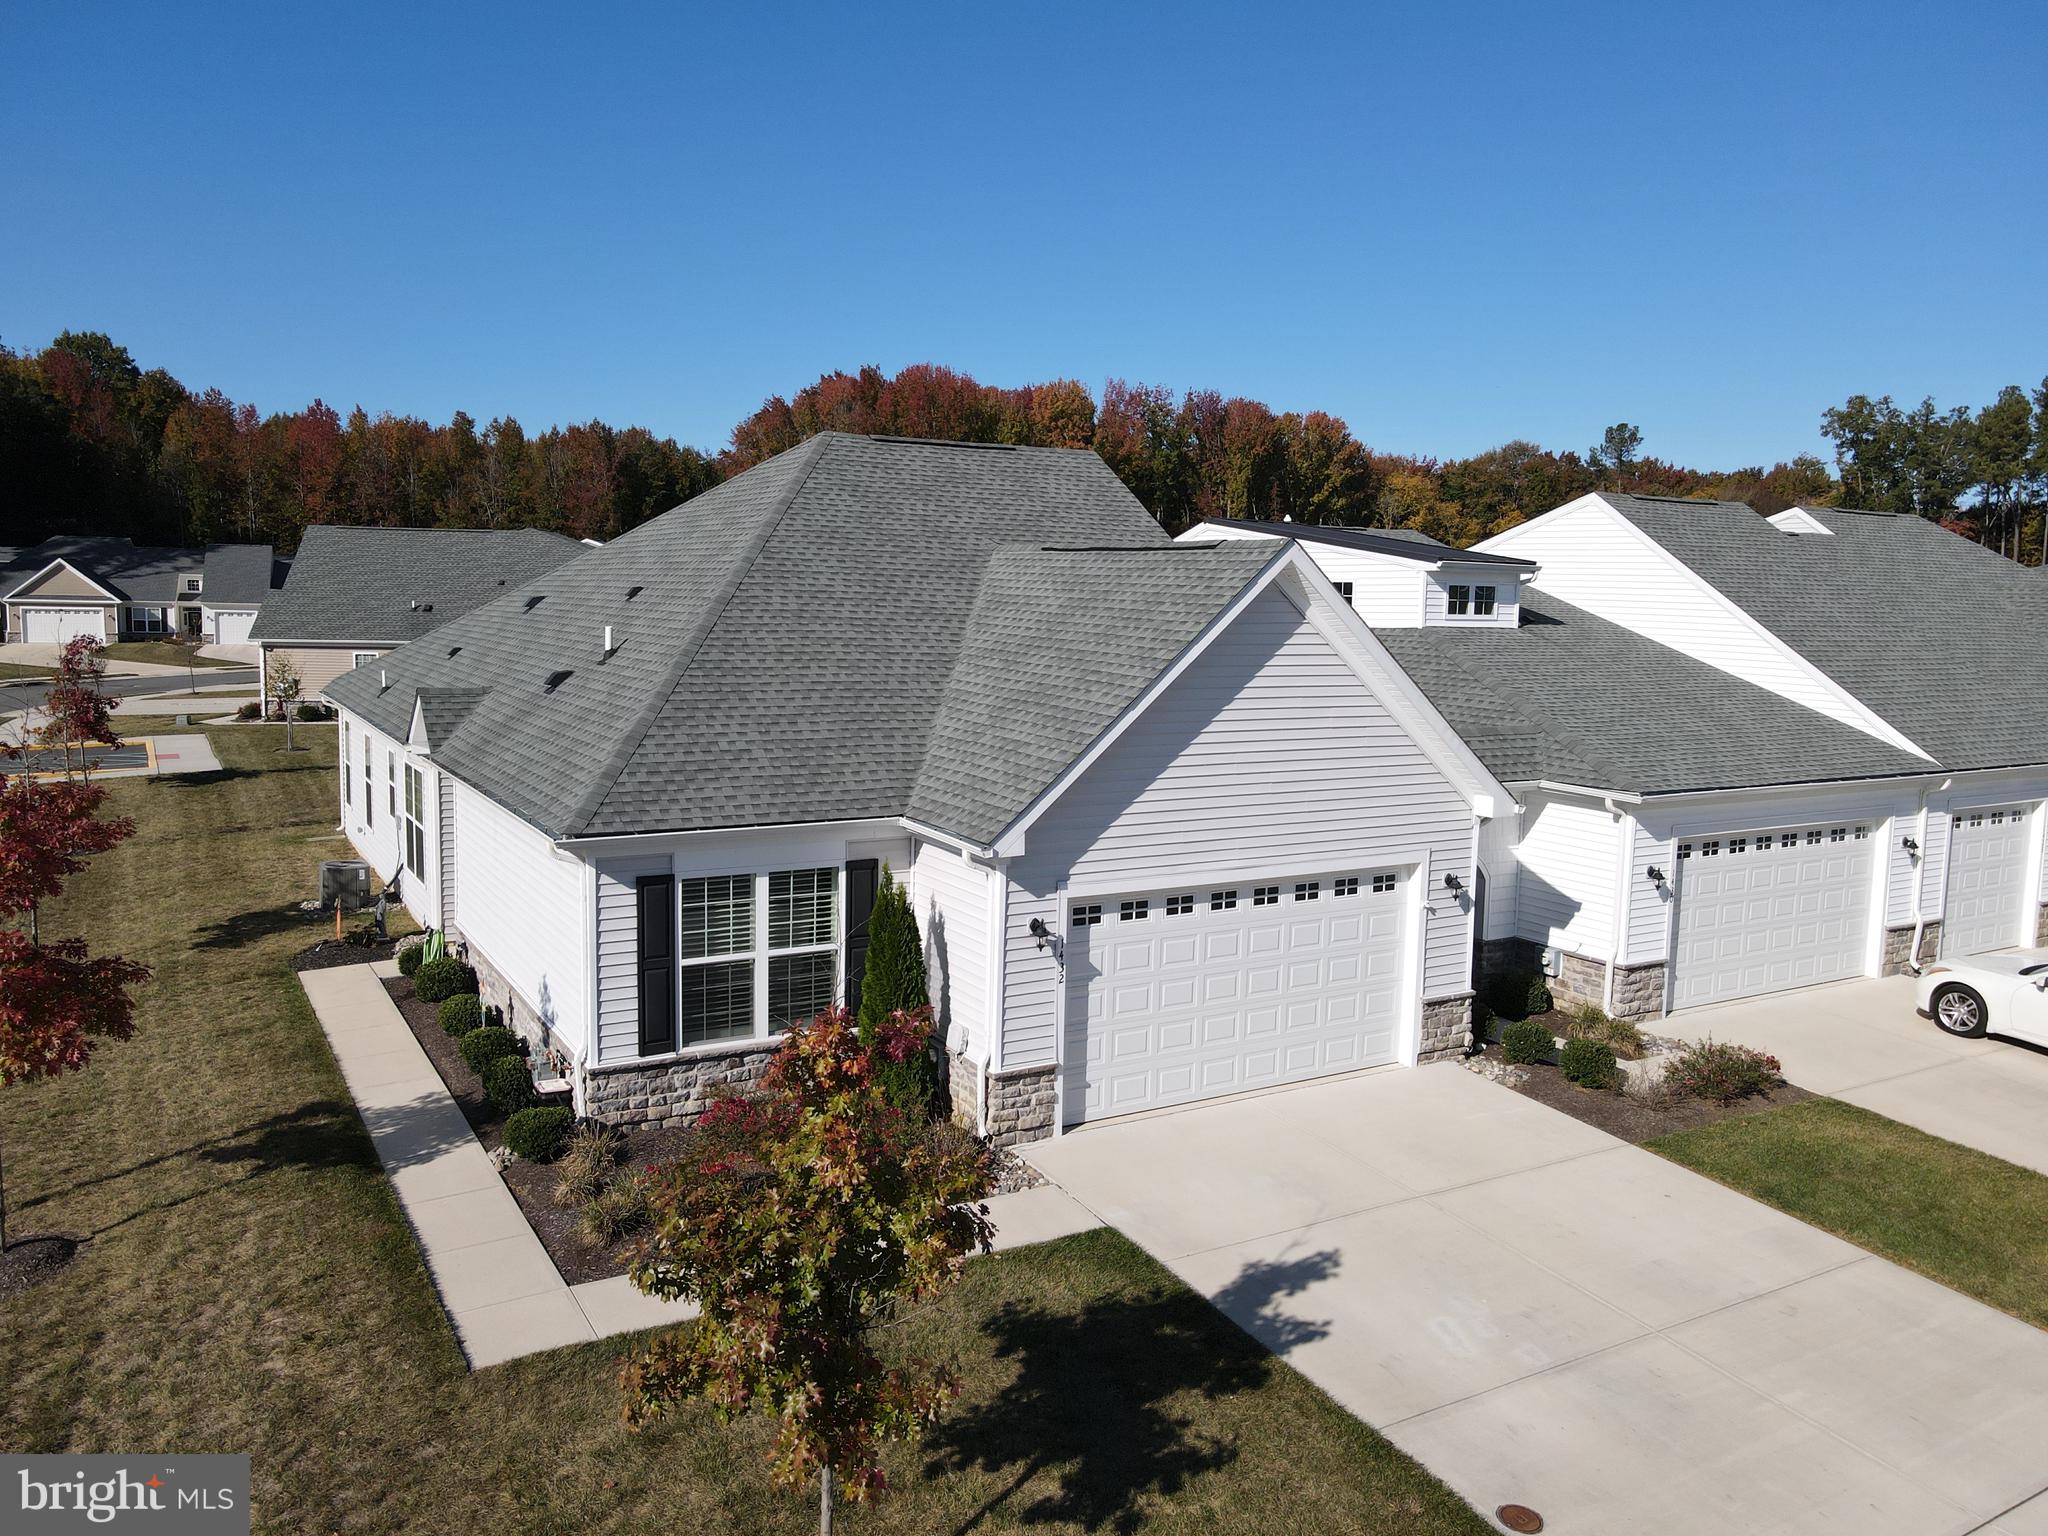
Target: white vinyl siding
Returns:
[524, 909]
[618, 982]
[1593, 558]
[1497, 857]
[1386, 592]
[374, 832]
[1566, 887]
[954, 900]
[444, 838]
[1268, 756]
[1507, 590]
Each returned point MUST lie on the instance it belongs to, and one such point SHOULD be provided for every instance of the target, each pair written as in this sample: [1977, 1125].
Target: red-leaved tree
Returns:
[800, 1218]
[77, 712]
[57, 999]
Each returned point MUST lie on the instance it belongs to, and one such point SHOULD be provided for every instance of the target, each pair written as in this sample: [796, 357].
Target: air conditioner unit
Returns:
[344, 883]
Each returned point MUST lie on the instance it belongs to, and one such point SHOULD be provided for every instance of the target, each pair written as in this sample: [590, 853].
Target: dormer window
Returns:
[1343, 591]
[1461, 600]
[192, 583]
[1482, 602]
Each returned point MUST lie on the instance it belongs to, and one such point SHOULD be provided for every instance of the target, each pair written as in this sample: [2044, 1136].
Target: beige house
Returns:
[112, 589]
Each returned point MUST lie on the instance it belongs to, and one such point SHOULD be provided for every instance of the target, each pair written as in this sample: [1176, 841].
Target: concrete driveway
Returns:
[1545, 1315]
[1862, 1042]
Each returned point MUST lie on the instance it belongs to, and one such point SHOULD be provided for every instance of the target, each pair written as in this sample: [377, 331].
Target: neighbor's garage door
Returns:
[54, 626]
[232, 628]
[1764, 911]
[1183, 994]
[1987, 876]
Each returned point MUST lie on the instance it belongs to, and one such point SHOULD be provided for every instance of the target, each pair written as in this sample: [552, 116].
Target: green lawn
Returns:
[166, 653]
[13, 669]
[1972, 1221]
[251, 1285]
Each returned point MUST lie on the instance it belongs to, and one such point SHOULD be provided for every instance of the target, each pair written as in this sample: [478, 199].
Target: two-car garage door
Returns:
[1764, 911]
[56, 626]
[1184, 994]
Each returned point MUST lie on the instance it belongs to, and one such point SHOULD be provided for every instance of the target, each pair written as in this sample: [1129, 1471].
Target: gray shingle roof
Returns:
[372, 586]
[1574, 699]
[1400, 543]
[1943, 638]
[238, 574]
[132, 572]
[1060, 643]
[784, 643]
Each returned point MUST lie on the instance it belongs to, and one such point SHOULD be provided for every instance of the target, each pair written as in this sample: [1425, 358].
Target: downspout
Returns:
[1627, 841]
[1919, 858]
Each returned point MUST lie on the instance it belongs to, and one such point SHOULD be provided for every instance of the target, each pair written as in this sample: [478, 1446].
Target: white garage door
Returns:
[1987, 876]
[1764, 911]
[232, 628]
[54, 626]
[1183, 994]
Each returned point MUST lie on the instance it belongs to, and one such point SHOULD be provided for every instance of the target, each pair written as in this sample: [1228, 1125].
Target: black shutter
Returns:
[655, 898]
[863, 878]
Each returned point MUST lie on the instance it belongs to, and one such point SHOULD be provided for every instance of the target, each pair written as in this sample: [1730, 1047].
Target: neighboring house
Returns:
[1174, 823]
[112, 589]
[1750, 754]
[355, 593]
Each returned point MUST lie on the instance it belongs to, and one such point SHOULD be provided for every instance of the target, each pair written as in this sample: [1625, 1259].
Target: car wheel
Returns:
[1960, 1011]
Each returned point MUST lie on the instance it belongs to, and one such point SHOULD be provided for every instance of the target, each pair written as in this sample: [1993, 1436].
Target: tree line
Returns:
[92, 443]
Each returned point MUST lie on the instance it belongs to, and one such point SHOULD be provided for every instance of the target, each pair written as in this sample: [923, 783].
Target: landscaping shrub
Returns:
[1618, 1035]
[1526, 1042]
[462, 1013]
[538, 1135]
[894, 982]
[508, 1083]
[409, 960]
[442, 978]
[481, 1047]
[1538, 999]
[313, 712]
[587, 1163]
[1711, 1069]
[249, 712]
[618, 1209]
[1588, 1063]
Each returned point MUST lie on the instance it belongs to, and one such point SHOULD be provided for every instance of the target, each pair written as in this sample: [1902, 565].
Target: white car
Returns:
[2005, 992]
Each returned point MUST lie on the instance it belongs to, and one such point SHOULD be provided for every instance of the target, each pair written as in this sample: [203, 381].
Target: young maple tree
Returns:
[285, 687]
[76, 709]
[57, 999]
[800, 1218]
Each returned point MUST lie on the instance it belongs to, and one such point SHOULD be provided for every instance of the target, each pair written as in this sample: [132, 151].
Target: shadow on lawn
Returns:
[1094, 1396]
[249, 927]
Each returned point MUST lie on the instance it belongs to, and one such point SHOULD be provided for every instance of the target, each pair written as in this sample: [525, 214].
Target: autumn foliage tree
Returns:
[76, 708]
[801, 1218]
[57, 999]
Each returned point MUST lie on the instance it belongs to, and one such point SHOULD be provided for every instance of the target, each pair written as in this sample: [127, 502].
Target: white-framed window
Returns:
[148, 620]
[1307, 890]
[1482, 601]
[1458, 600]
[1179, 906]
[718, 958]
[1382, 884]
[803, 945]
[758, 953]
[1133, 911]
[1343, 590]
[1266, 896]
[369, 788]
[1222, 901]
[348, 778]
[361, 658]
[1345, 885]
[1088, 916]
[391, 780]
[415, 822]
[192, 584]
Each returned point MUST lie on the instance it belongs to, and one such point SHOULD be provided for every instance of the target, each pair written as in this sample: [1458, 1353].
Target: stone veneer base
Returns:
[1020, 1105]
[676, 1091]
[1446, 1027]
[1898, 946]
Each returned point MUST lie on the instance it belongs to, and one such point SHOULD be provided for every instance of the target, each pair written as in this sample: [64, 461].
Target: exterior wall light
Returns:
[1040, 932]
[1657, 877]
[1452, 882]
[1911, 846]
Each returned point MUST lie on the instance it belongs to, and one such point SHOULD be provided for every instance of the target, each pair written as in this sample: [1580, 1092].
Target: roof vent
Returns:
[633, 592]
[383, 679]
[555, 680]
[454, 650]
[608, 646]
[535, 601]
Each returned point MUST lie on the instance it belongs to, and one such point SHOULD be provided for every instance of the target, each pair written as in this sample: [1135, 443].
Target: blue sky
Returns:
[1449, 225]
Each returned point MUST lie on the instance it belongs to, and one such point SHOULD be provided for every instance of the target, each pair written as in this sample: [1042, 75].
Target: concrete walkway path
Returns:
[1862, 1042]
[500, 1289]
[1545, 1315]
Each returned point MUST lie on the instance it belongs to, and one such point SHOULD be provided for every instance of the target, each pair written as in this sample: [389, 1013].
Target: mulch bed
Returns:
[1638, 1120]
[331, 952]
[29, 1261]
[559, 1228]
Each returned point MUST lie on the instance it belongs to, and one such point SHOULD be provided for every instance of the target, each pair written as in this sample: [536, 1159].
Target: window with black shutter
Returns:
[863, 879]
[655, 897]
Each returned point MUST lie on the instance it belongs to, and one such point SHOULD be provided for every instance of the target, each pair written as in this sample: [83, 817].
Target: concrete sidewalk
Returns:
[1544, 1315]
[500, 1289]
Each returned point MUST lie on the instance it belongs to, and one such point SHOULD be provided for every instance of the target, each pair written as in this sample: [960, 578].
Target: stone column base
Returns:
[1020, 1105]
[1446, 1027]
[1898, 947]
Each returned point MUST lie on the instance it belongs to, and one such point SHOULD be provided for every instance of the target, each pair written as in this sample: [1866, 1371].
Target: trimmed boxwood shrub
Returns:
[1525, 1042]
[462, 1013]
[442, 978]
[1587, 1063]
[410, 960]
[538, 1135]
[507, 1083]
[481, 1047]
[1538, 1000]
